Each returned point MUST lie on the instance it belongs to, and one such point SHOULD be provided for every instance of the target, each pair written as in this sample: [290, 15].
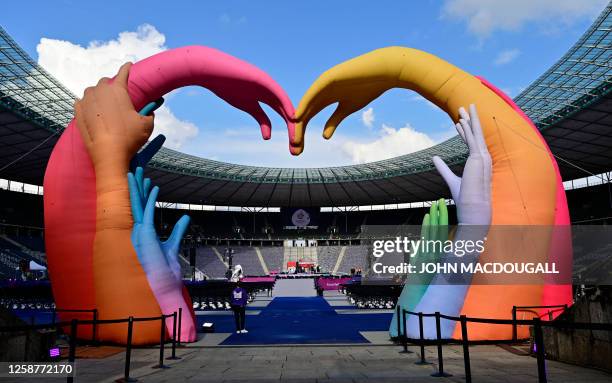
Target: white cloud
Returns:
[391, 143]
[367, 117]
[227, 19]
[507, 56]
[483, 17]
[244, 145]
[78, 67]
[177, 131]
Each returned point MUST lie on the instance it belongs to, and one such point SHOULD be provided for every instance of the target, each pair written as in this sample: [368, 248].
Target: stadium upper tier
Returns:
[570, 103]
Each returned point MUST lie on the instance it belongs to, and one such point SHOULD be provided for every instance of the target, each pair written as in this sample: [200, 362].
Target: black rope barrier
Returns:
[94, 313]
[466, 350]
[72, 352]
[440, 373]
[399, 328]
[128, 354]
[405, 337]
[173, 356]
[421, 341]
[536, 322]
[539, 349]
[180, 320]
[162, 341]
[74, 323]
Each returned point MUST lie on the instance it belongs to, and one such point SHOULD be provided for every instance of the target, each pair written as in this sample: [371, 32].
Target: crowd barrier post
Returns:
[180, 317]
[440, 373]
[540, 355]
[128, 353]
[94, 326]
[514, 329]
[72, 351]
[162, 341]
[173, 357]
[399, 325]
[405, 337]
[422, 341]
[466, 350]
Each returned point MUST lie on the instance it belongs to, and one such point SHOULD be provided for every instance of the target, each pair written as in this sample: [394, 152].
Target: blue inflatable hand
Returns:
[142, 158]
[172, 245]
[159, 260]
[142, 195]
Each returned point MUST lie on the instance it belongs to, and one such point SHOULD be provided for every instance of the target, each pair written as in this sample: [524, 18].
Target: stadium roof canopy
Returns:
[570, 104]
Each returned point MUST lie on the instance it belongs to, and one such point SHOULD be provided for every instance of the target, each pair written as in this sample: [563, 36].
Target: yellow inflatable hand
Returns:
[525, 186]
[355, 83]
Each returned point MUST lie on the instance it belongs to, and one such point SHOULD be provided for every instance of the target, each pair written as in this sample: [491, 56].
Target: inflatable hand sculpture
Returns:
[88, 219]
[159, 260]
[472, 193]
[113, 131]
[433, 228]
[525, 184]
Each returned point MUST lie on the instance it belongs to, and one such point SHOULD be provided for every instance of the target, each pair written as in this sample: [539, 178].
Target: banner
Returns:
[300, 218]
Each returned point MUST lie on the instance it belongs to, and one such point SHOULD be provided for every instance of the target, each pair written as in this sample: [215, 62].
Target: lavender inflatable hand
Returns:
[472, 193]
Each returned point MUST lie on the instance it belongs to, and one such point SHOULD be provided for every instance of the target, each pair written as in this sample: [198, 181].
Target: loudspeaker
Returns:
[192, 256]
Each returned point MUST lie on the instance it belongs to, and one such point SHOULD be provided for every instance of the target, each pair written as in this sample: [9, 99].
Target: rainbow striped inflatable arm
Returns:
[88, 218]
[525, 186]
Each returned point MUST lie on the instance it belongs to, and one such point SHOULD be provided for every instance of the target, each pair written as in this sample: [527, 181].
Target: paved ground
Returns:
[335, 364]
[379, 361]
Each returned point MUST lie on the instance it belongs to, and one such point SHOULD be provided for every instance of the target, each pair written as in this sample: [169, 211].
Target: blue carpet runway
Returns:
[299, 320]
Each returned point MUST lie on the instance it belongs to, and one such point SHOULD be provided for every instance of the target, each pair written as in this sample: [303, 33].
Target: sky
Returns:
[510, 43]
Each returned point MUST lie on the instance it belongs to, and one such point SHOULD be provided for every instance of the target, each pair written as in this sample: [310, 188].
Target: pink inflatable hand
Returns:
[71, 198]
[235, 81]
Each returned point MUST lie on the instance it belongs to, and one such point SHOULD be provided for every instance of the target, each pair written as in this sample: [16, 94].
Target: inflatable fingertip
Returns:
[328, 132]
[266, 133]
[298, 133]
[296, 150]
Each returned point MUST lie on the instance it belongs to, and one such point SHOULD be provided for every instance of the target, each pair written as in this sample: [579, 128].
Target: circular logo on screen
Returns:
[300, 218]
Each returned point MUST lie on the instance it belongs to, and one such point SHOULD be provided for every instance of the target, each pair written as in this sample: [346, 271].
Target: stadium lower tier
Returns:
[35, 298]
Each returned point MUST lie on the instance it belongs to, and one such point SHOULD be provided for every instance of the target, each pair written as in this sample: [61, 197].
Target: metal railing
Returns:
[536, 322]
[74, 323]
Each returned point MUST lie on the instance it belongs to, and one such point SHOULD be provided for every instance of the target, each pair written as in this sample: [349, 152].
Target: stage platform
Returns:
[300, 320]
[303, 287]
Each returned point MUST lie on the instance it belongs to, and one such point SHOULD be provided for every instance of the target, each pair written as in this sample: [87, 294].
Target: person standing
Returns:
[238, 303]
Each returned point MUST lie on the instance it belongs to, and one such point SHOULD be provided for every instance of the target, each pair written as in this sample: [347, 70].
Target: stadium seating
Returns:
[273, 257]
[247, 258]
[22, 218]
[354, 257]
[328, 256]
[11, 254]
[208, 261]
[35, 243]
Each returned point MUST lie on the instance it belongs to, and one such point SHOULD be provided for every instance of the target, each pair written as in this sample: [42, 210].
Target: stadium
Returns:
[297, 242]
